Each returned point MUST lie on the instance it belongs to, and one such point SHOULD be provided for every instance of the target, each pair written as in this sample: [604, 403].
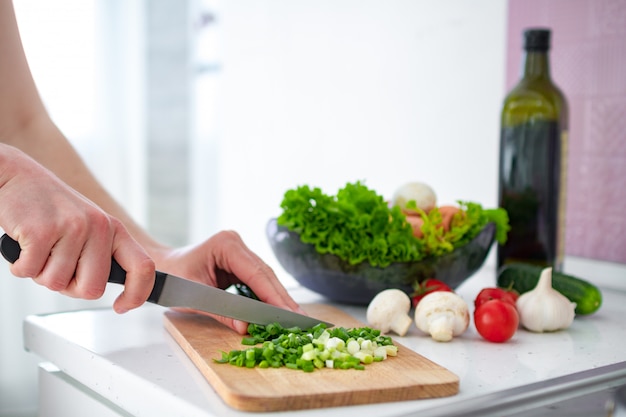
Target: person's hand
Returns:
[224, 260]
[67, 241]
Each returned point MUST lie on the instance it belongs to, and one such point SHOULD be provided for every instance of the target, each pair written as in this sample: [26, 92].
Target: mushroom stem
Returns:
[443, 315]
[401, 324]
[442, 327]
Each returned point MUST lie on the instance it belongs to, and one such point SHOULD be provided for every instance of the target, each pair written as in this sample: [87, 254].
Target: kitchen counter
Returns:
[98, 363]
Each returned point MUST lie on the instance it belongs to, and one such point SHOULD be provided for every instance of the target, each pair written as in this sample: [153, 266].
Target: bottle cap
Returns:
[537, 39]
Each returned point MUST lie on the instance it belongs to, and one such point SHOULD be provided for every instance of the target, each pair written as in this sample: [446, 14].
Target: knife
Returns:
[173, 291]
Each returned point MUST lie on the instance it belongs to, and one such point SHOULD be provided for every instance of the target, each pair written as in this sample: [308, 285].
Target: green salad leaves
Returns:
[358, 225]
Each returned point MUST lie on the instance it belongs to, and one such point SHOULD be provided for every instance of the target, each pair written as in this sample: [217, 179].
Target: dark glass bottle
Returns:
[533, 161]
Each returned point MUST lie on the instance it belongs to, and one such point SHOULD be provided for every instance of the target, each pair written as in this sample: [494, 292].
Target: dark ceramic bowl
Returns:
[339, 281]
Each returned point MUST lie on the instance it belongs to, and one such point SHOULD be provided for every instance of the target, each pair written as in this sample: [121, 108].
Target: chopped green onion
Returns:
[309, 349]
[249, 341]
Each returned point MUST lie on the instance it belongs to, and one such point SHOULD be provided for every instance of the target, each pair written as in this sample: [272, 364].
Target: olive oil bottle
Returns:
[533, 160]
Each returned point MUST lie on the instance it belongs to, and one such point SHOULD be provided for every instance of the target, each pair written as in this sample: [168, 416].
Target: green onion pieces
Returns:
[318, 347]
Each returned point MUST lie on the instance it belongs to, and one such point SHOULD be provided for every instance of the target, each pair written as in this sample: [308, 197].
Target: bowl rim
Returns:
[335, 278]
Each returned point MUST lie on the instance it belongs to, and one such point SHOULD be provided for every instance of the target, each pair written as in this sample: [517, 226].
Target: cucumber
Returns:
[524, 277]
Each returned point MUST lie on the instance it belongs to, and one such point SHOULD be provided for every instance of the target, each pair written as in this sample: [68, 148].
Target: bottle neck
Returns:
[536, 65]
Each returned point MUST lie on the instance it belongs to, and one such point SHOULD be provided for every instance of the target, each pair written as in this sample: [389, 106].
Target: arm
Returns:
[69, 227]
[67, 241]
[26, 125]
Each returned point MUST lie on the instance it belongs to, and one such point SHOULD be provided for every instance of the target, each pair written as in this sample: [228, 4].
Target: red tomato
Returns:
[428, 286]
[496, 320]
[502, 294]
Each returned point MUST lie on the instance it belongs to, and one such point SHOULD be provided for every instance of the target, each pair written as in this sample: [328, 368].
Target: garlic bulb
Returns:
[544, 309]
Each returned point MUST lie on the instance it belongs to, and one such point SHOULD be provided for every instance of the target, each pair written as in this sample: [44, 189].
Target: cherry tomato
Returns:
[502, 294]
[429, 285]
[496, 320]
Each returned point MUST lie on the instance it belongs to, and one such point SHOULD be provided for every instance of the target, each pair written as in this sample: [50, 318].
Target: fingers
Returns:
[66, 240]
[140, 273]
[79, 262]
[224, 260]
[58, 269]
[33, 257]
[65, 263]
[239, 326]
[91, 264]
[237, 259]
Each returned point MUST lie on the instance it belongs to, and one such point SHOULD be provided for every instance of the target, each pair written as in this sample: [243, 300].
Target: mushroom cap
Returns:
[442, 304]
[423, 195]
[389, 310]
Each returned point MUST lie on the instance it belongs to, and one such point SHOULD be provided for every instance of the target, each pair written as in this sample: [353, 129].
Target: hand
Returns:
[67, 241]
[224, 260]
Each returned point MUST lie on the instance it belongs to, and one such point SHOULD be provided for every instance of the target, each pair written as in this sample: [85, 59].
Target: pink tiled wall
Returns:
[588, 62]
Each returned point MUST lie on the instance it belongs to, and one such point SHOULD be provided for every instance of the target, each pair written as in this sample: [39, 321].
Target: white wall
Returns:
[325, 92]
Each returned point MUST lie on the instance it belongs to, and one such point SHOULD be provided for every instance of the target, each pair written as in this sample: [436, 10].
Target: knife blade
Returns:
[172, 291]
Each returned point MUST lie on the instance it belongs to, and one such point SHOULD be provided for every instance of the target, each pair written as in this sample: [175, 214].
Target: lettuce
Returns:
[358, 225]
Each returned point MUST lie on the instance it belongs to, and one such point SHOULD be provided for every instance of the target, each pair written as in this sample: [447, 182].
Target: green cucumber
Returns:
[524, 277]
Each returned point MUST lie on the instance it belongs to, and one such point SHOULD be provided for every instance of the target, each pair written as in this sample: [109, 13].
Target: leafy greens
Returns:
[358, 225]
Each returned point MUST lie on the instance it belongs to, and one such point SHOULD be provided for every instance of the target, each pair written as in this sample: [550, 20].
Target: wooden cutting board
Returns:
[407, 376]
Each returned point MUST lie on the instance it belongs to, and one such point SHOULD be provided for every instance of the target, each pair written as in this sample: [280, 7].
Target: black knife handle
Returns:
[10, 250]
[118, 276]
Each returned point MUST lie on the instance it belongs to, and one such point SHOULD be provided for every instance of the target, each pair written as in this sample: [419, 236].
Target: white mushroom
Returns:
[421, 193]
[443, 315]
[389, 310]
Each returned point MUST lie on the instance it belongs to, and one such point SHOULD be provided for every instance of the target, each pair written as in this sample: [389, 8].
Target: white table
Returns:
[98, 363]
